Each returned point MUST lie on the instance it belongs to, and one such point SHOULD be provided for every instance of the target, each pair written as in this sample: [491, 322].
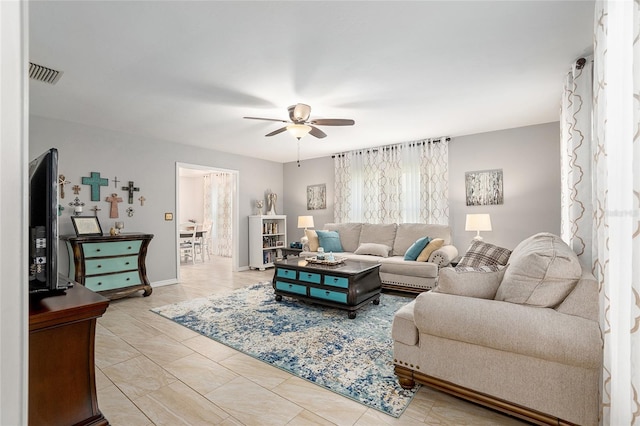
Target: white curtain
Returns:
[616, 176]
[575, 123]
[218, 202]
[393, 184]
[601, 195]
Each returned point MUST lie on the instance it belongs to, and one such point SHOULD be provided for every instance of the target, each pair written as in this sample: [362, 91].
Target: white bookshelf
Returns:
[267, 234]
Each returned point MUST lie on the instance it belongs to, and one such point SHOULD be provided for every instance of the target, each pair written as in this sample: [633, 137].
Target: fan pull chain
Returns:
[298, 152]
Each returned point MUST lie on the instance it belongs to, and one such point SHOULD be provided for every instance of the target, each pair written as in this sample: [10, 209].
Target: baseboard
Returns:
[164, 282]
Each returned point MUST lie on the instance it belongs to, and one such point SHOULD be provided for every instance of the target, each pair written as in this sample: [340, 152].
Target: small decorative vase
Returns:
[272, 203]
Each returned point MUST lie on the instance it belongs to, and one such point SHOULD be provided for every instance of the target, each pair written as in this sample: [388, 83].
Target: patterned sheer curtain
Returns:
[218, 202]
[393, 184]
[601, 205]
[575, 123]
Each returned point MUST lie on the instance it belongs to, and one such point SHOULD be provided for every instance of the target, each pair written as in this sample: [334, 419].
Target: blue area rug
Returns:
[351, 357]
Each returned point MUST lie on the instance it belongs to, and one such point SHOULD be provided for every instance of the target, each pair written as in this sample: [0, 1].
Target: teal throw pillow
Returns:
[329, 241]
[416, 248]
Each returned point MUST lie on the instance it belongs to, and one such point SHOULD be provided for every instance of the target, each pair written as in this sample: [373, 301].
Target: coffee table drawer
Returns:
[341, 282]
[334, 296]
[291, 288]
[310, 277]
[286, 273]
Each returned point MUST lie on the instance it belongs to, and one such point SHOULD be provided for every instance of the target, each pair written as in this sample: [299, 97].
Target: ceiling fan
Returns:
[299, 123]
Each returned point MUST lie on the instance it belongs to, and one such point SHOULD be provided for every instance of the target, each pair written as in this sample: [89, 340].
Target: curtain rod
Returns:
[388, 147]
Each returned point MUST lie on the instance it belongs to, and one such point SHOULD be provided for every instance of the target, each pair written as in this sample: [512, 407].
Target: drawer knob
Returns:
[327, 293]
[100, 283]
[129, 248]
[126, 263]
[99, 266]
[128, 279]
[335, 280]
[290, 286]
[97, 249]
[308, 275]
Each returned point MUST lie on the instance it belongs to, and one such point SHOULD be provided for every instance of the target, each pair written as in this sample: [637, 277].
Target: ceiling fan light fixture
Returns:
[298, 130]
[301, 112]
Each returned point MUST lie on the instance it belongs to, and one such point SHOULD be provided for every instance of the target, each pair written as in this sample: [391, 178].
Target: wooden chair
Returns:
[187, 242]
[202, 241]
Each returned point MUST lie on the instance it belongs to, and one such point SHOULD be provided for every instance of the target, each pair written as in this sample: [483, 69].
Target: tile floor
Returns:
[151, 371]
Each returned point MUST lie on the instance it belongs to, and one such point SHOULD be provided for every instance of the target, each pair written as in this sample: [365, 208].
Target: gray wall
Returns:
[296, 179]
[530, 160]
[151, 164]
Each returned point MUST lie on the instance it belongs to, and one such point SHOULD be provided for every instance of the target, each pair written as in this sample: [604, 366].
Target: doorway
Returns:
[207, 194]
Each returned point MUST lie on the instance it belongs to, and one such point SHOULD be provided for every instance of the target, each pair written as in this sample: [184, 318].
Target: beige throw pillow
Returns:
[542, 272]
[433, 245]
[313, 239]
[478, 284]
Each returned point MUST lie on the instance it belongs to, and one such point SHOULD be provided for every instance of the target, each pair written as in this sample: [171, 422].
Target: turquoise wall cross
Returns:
[95, 181]
[130, 188]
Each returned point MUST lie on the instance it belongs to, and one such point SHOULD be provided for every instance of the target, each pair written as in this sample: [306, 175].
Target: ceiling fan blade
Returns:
[267, 119]
[317, 132]
[275, 132]
[333, 122]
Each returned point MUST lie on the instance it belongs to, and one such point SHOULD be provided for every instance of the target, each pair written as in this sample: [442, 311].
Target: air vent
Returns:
[44, 74]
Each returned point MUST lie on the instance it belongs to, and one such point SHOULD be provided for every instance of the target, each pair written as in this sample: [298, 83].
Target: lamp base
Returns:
[477, 238]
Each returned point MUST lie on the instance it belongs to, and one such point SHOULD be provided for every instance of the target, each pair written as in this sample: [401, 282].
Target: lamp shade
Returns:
[298, 130]
[478, 222]
[305, 222]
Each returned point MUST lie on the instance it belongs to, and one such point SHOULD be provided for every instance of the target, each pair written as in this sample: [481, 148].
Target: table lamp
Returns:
[305, 222]
[478, 222]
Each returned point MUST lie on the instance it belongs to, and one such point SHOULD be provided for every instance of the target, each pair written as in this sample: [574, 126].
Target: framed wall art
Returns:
[484, 187]
[86, 225]
[317, 197]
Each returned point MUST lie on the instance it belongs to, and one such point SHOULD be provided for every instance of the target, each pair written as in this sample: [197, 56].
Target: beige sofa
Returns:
[395, 272]
[524, 340]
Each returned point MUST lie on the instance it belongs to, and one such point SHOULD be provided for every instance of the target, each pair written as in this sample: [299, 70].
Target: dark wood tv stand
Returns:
[62, 387]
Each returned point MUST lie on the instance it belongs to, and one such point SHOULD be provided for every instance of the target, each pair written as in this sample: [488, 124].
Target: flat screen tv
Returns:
[43, 224]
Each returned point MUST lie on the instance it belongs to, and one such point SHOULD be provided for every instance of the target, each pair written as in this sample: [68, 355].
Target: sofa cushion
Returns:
[398, 266]
[349, 234]
[433, 245]
[542, 272]
[536, 332]
[408, 232]
[374, 249]
[378, 233]
[404, 329]
[329, 241]
[313, 239]
[480, 253]
[416, 248]
[471, 282]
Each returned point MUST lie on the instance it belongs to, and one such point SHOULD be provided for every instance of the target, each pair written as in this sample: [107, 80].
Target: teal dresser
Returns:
[112, 265]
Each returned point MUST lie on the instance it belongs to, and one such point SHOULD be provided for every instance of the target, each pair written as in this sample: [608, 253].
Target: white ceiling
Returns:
[188, 72]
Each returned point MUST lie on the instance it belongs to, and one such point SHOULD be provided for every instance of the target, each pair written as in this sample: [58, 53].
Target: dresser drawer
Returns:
[113, 264]
[113, 281]
[309, 277]
[286, 273]
[334, 296]
[291, 288]
[341, 282]
[114, 248]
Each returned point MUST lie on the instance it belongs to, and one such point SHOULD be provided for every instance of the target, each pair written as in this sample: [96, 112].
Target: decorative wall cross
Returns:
[76, 189]
[95, 210]
[62, 181]
[131, 189]
[115, 181]
[95, 181]
[77, 206]
[142, 200]
[114, 200]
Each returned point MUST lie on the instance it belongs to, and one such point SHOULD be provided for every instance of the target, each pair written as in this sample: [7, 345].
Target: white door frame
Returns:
[234, 211]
